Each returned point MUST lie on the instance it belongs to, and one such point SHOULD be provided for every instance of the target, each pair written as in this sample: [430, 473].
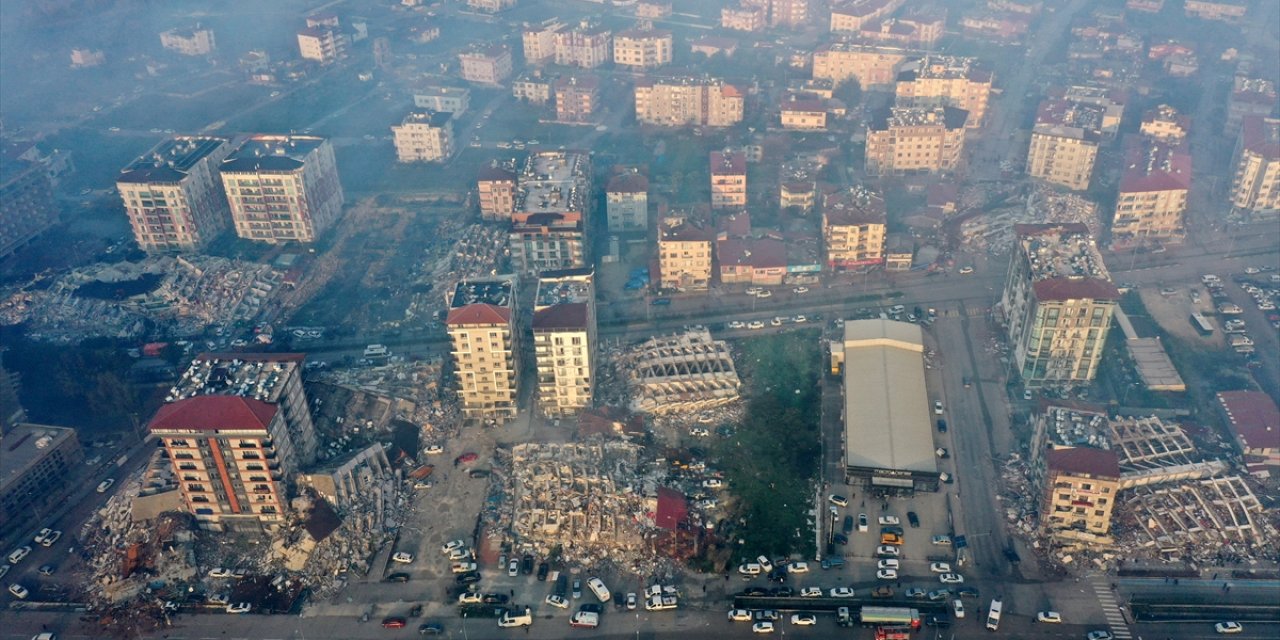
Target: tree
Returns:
[849, 92]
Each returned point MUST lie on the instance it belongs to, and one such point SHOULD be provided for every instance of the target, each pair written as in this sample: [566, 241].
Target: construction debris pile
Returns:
[416, 383]
[684, 372]
[1197, 520]
[479, 252]
[187, 293]
[992, 231]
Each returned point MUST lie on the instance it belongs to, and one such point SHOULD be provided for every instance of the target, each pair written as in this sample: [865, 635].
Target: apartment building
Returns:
[758, 261]
[534, 87]
[322, 44]
[485, 348]
[193, 41]
[40, 467]
[1109, 101]
[946, 81]
[1221, 10]
[1255, 185]
[564, 341]
[803, 112]
[642, 49]
[453, 100]
[585, 46]
[744, 18]
[539, 41]
[1249, 97]
[921, 28]
[873, 67]
[491, 6]
[728, 179]
[797, 186]
[1152, 202]
[496, 188]
[27, 208]
[424, 137]
[627, 202]
[853, 15]
[915, 140]
[1165, 124]
[680, 102]
[786, 14]
[577, 98]
[282, 188]
[489, 65]
[547, 241]
[1057, 304]
[1078, 495]
[553, 201]
[854, 224]
[173, 195]
[1064, 143]
[684, 255]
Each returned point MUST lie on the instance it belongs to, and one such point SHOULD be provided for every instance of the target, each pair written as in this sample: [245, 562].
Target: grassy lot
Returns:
[771, 460]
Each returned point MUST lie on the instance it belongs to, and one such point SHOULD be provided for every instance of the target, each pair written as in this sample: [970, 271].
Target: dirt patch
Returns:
[1172, 311]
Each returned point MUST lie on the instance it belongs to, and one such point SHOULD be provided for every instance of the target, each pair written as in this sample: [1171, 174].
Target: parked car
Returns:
[811, 592]
[841, 592]
[469, 577]
[942, 540]
[430, 629]
[543, 570]
[915, 592]
[887, 574]
[803, 619]
[557, 601]
[452, 545]
[838, 500]
[798, 567]
[402, 557]
[394, 623]
[913, 519]
[1228, 627]
[889, 521]
[951, 578]
[739, 615]
[940, 567]
[239, 607]
[19, 591]
[1049, 616]
[763, 626]
[887, 550]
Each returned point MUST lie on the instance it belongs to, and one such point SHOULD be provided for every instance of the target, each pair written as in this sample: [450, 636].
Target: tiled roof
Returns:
[214, 413]
[1099, 463]
[478, 313]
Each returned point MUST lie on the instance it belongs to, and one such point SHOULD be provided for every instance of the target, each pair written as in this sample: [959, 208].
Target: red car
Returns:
[469, 456]
[393, 623]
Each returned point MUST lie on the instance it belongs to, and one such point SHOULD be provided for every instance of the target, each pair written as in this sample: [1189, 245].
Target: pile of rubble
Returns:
[684, 372]
[191, 293]
[1194, 520]
[992, 231]
[479, 252]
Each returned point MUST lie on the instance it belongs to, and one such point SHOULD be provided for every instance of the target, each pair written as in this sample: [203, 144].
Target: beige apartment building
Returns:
[1249, 97]
[534, 87]
[1109, 102]
[1152, 202]
[1165, 124]
[424, 137]
[539, 41]
[1078, 495]
[749, 19]
[553, 199]
[486, 64]
[547, 241]
[491, 6]
[688, 101]
[1064, 143]
[684, 255]
[564, 340]
[627, 202]
[27, 207]
[585, 46]
[577, 98]
[946, 81]
[803, 112]
[282, 188]
[194, 41]
[915, 140]
[785, 14]
[853, 15]
[485, 348]
[642, 49]
[872, 66]
[496, 188]
[1057, 304]
[322, 44]
[174, 196]
[728, 179]
[854, 224]
[1255, 185]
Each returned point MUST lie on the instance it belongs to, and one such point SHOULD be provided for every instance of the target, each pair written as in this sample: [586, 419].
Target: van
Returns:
[749, 569]
[993, 615]
[597, 587]
[519, 620]
[19, 554]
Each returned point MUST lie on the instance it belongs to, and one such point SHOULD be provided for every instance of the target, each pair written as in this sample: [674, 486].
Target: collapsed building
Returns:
[681, 372]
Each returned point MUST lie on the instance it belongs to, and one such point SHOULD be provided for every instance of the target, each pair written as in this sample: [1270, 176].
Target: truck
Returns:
[893, 632]
[376, 351]
[1201, 324]
[891, 616]
[842, 617]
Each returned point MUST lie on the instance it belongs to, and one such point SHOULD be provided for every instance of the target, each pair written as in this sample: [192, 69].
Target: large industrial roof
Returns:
[887, 414]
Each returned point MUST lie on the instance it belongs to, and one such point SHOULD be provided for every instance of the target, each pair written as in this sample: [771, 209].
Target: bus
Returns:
[891, 616]
[993, 615]
[1201, 324]
[376, 351]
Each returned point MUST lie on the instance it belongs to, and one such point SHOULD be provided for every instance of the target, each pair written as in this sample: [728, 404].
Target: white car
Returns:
[951, 578]
[1049, 616]
[887, 574]
[44, 533]
[19, 591]
[402, 557]
[513, 568]
[219, 573]
[434, 449]
[712, 483]
[557, 601]
[471, 597]
[838, 500]
[804, 619]
[887, 550]
[841, 592]
[462, 567]
[887, 564]
[765, 563]
[461, 553]
[755, 324]
[889, 520]
[1098, 635]
[801, 290]
[105, 484]
[763, 626]
[739, 615]
[220, 598]
[765, 294]
[811, 592]
[798, 567]
[51, 538]
[239, 607]
[957, 607]
[937, 407]
[452, 545]
[1228, 627]
[799, 319]
[940, 567]
[737, 324]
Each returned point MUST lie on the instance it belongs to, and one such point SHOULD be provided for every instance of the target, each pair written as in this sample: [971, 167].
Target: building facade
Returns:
[1255, 185]
[489, 65]
[282, 188]
[1057, 304]
[915, 140]
[873, 67]
[854, 15]
[41, 465]
[174, 196]
[1165, 124]
[485, 348]
[453, 100]
[564, 340]
[1078, 495]
[627, 202]
[322, 44]
[189, 42]
[425, 137]
[642, 49]
[1064, 143]
[27, 207]
[547, 241]
[749, 19]
[577, 98]
[853, 228]
[1249, 97]
[534, 88]
[684, 255]
[585, 46]
[946, 81]
[1152, 202]
[759, 262]
[496, 188]
[687, 101]
[728, 179]
[539, 41]
[803, 112]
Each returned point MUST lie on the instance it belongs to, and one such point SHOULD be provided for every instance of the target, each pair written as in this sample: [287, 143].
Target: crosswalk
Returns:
[1110, 608]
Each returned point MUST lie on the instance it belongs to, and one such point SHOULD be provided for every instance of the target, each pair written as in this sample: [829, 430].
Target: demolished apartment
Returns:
[682, 372]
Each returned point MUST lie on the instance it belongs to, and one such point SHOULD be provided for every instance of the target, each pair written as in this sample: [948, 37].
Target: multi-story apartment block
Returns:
[322, 44]
[486, 64]
[282, 187]
[453, 100]
[491, 6]
[1064, 143]
[534, 87]
[585, 46]
[642, 48]
[1057, 304]
[803, 112]
[853, 15]
[1165, 124]
[873, 67]
[496, 188]
[1255, 185]
[539, 41]
[1109, 101]
[758, 261]
[40, 467]
[194, 41]
[684, 255]
[1152, 202]
[946, 81]
[1249, 97]
[728, 179]
[627, 202]
[485, 347]
[750, 19]
[564, 341]
[915, 140]
[797, 186]
[786, 14]
[853, 228]
[687, 101]
[27, 207]
[577, 98]
[653, 10]
[1221, 10]
[173, 194]
[547, 241]
[552, 203]
[922, 28]
[1077, 495]
[424, 137]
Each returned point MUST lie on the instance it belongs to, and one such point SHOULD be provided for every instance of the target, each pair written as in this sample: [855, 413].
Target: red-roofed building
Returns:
[1078, 490]
[1152, 202]
[232, 456]
[564, 340]
[1255, 424]
[486, 347]
[754, 262]
[673, 509]
[1255, 186]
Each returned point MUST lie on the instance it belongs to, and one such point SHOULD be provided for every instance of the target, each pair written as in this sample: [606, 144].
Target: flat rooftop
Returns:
[430, 118]
[1068, 426]
[272, 153]
[1060, 251]
[179, 152]
[853, 206]
[1068, 114]
[260, 376]
[495, 291]
[1154, 366]
[553, 291]
[945, 67]
[888, 421]
[25, 445]
[553, 181]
